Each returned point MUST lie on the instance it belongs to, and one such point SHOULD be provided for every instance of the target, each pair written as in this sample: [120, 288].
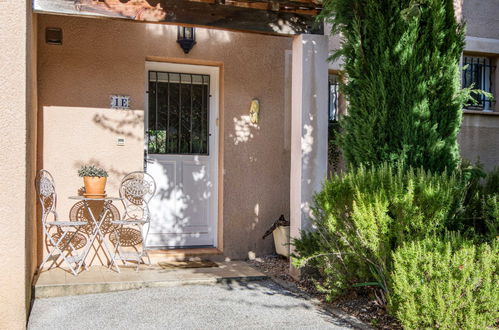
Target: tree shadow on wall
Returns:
[124, 127]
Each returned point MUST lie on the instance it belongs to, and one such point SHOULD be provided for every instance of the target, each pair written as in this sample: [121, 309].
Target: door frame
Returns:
[216, 70]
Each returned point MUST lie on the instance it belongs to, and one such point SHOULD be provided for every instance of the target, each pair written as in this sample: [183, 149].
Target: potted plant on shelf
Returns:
[94, 180]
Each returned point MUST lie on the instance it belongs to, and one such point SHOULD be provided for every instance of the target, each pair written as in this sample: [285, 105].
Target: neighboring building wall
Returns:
[479, 139]
[334, 45]
[482, 18]
[103, 57]
[479, 136]
[17, 149]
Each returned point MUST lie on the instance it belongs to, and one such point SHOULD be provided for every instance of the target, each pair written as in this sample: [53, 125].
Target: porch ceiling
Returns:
[285, 17]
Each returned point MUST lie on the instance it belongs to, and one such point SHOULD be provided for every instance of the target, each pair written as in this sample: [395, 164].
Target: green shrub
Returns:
[445, 283]
[491, 215]
[490, 205]
[492, 184]
[401, 63]
[361, 216]
[480, 216]
[333, 153]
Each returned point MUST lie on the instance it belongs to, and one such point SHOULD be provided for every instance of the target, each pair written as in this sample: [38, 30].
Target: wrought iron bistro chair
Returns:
[65, 240]
[136, 189]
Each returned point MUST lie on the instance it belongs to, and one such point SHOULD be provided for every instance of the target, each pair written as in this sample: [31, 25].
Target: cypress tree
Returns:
[402, 81]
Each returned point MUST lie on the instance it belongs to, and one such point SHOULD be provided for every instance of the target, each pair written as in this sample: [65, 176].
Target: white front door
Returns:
[181, 137]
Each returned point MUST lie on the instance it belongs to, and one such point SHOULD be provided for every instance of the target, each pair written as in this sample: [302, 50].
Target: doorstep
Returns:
[99, 279]
[185, 254]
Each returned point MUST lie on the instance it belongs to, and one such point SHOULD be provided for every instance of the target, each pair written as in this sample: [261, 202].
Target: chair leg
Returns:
[55, 245]
[144, 241]
[117, 247]
[140, 254]
[72, 253]
[74, 269]
[144, 251]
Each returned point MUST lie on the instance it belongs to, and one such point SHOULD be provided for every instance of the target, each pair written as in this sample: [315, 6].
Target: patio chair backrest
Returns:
[137, 189]
[45, 188]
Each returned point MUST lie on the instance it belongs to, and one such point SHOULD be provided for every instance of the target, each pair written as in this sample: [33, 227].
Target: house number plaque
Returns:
[120, 102]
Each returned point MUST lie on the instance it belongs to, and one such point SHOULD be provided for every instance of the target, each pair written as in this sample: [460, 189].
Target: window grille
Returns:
[333, 97]
[478, 74]
[178, 113]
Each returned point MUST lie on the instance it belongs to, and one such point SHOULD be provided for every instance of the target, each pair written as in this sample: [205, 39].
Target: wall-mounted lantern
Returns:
[186, 38]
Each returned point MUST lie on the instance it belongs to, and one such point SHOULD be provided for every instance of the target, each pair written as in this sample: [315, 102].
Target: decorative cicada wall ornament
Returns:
[254, 111]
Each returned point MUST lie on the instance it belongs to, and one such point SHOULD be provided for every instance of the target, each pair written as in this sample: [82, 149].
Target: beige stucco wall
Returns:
[482, 18]
[17, 146]
[103, 57]
[479, 139]
[479, 135]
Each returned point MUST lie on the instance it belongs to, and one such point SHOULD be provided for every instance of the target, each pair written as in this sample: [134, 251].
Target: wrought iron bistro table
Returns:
[97, 233]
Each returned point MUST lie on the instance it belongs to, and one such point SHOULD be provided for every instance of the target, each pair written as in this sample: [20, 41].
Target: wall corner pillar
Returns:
[17, 160]
[309, 128]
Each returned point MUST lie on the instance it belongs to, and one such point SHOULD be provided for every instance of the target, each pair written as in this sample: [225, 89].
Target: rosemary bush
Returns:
[445, 283]
[363, 215]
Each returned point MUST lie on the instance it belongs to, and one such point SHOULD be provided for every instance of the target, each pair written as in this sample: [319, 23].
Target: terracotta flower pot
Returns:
[94, 185]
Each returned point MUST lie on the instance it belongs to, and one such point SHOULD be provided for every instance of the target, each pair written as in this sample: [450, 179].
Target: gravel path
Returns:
[253, 305]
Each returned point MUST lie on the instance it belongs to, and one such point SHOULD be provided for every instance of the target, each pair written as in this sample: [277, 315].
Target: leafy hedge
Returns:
[481, 205]
[388, 227]
[361, 216]
[445, 283]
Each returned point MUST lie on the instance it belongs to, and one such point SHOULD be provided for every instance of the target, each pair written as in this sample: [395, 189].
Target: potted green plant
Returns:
[94, 179]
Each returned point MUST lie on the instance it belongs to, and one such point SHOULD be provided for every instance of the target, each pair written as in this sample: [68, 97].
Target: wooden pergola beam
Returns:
[271, 17]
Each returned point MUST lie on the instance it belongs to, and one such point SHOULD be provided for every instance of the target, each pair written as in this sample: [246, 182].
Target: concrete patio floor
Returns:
[98, 279]
[229, 305]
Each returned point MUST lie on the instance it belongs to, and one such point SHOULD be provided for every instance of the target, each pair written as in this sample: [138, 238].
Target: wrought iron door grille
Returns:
[333, 98]
[178, 116]
[478, 73]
